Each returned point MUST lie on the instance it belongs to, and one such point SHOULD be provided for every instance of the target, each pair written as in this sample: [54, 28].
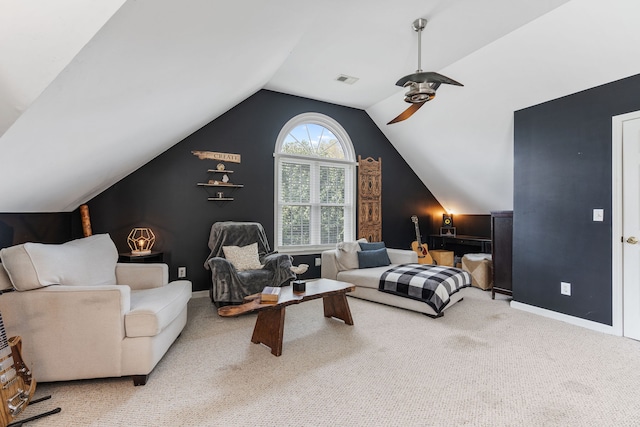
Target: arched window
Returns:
[315, 185]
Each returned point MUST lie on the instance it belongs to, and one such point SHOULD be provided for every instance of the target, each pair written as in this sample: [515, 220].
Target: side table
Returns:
[142, 259]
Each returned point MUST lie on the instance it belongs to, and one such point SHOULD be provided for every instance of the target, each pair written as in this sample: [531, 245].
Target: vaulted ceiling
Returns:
[89, 92]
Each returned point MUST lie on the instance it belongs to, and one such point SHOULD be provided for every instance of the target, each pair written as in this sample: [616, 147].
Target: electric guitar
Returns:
[420, 248]
[16, 384]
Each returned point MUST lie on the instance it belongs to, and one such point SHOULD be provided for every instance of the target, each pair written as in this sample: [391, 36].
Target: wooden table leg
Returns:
[338, 307]
[269, 329]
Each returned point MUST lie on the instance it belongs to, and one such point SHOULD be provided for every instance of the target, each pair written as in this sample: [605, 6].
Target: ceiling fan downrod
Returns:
[418, 25]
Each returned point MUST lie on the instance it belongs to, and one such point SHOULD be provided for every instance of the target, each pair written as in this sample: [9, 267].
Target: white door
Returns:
[631, 227]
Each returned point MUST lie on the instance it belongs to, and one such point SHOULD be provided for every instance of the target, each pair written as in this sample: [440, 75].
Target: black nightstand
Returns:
[142, 259]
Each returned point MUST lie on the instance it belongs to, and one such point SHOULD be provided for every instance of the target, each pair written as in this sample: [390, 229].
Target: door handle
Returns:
[632, 240]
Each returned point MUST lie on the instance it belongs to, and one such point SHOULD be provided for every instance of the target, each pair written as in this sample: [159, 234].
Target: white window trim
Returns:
[349, 160]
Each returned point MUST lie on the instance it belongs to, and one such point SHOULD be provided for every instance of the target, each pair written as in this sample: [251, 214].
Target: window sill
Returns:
[304, 251]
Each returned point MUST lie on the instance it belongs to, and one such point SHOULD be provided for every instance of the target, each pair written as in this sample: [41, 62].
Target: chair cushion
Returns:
[84, 262]
[154, 309]
[243, 258]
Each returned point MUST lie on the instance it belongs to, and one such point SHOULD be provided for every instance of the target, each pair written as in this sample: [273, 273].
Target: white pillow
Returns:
[86, 262]
[243, 258]
[347, 256]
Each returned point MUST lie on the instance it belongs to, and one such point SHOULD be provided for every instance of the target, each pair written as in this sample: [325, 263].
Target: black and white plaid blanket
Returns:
[433, 284]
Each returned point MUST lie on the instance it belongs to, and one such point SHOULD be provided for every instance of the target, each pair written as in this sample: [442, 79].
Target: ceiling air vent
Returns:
[346, 79]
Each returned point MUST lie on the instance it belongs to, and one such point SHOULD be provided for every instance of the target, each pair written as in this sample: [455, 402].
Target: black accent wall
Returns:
[562, 171]
[163, 194]
[16, 228]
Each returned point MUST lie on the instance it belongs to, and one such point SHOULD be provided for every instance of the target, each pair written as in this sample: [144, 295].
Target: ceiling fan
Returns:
[422, 84]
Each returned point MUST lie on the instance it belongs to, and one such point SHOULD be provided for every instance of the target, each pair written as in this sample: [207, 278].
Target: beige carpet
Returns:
[482, 364]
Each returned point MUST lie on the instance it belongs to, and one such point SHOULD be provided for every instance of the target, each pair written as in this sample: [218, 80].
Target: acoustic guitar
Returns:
[16, 384]
[420, 248]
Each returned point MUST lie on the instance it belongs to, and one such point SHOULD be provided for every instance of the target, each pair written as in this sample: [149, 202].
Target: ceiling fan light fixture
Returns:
[419, 93]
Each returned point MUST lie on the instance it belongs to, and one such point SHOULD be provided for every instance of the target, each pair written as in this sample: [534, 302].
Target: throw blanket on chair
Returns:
[433, 284]
[229, 285]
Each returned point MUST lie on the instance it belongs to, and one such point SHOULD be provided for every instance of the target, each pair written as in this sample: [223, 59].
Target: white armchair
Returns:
[81, 315]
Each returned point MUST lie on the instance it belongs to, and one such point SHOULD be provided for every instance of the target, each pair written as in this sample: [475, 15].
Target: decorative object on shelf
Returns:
[220, 166]
[370, 199]
[225, 178]
[212, 155]
[219, 194]
[141, 240]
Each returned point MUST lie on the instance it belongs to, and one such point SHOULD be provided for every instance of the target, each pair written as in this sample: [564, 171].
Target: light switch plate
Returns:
[598, 215]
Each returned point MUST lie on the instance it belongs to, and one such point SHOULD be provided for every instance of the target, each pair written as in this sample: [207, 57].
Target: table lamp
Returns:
[141, 241]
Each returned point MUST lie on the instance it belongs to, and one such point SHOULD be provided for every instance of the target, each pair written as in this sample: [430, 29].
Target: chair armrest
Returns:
[402, 256]
[275, 261]
[5, 282]
[329, 265]
[220, 262]
[66, 328]
[142, 276]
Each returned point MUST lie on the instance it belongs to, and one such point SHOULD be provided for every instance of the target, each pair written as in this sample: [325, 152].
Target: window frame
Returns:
[348, 163]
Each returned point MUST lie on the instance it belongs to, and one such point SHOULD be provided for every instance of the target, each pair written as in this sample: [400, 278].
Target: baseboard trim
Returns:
[200, 294]
[594, 326]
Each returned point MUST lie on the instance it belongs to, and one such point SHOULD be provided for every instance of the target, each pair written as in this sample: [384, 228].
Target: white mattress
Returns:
[364, 277]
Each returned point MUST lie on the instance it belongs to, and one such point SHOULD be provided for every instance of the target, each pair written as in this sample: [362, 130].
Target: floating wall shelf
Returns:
[220, 185]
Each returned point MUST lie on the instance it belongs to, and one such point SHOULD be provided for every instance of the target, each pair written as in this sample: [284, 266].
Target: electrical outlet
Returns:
[565, 288]
[598, 215]
[318, 262]
[182, 272]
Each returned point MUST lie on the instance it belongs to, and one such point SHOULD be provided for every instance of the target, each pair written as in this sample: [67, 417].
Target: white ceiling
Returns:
[89, 94]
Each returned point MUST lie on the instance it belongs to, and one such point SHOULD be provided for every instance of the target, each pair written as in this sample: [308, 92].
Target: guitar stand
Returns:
[35, 417]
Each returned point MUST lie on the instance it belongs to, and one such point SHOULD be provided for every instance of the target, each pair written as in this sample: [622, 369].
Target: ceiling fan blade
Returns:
[407, 113]
[427, 77]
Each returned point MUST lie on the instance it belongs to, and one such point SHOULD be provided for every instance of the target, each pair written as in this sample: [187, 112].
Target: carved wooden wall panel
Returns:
[370, 199]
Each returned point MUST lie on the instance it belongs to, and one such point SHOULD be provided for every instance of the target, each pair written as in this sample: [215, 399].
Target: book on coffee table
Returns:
[269, 295]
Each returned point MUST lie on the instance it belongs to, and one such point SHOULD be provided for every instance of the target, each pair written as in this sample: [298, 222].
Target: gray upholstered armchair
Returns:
[253, 268]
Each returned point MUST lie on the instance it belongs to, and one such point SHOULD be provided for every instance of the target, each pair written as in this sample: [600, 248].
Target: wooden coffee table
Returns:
[269, 328]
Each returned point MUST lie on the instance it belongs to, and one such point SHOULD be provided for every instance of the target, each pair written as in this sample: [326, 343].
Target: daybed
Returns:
[81, 315]
[339, 264]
